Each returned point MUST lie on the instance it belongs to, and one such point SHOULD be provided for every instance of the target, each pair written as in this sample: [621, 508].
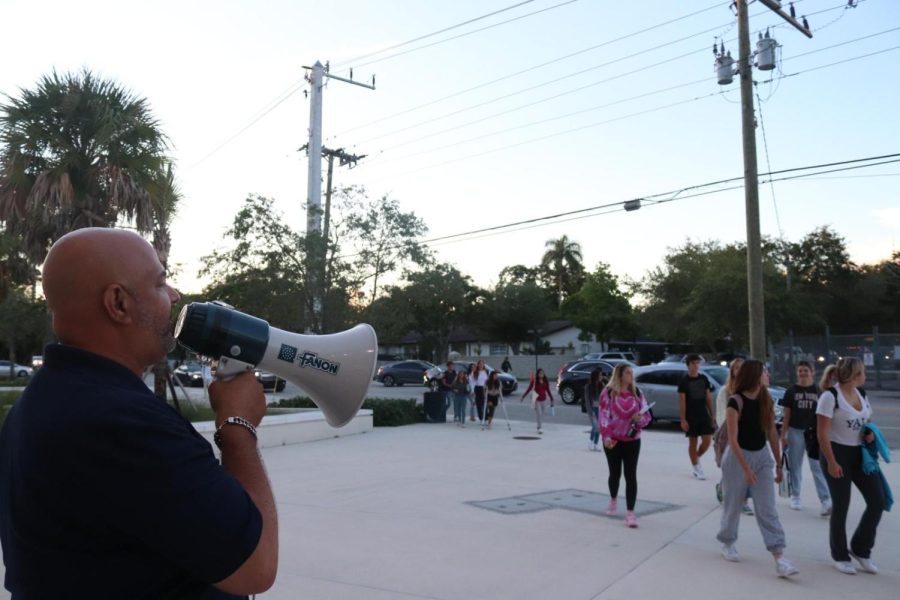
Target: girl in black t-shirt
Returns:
[748, 464]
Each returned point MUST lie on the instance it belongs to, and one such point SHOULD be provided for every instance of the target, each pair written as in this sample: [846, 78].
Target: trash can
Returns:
[435, 407]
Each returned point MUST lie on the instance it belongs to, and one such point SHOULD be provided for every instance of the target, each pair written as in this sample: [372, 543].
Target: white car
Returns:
[17, 369]
[629, 356]
[659, 383]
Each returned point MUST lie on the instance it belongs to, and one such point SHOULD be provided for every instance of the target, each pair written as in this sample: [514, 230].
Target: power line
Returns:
[647, 201]
[577, 89]
[433, 33]
[596, 124]
[762, 126]
[461, 35]
[545, 64]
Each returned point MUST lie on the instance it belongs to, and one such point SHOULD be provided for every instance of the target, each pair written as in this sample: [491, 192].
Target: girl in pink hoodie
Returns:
[623, 413]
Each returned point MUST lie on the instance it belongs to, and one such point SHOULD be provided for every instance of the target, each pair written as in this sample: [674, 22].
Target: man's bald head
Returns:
[102, 286]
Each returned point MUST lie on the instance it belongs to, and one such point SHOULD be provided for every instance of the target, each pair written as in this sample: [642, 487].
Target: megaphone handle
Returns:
[229, 367]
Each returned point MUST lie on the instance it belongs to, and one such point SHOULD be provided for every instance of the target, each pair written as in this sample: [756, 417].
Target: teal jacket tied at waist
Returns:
[870, 461]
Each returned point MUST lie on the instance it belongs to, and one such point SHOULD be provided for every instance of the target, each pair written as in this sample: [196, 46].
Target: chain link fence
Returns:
[880, 352]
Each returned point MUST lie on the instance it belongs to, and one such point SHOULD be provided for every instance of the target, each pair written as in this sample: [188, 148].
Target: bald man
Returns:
[105, 491]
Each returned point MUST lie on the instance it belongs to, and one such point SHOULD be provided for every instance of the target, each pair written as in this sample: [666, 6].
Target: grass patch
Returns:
[386, 412]
[14, 382]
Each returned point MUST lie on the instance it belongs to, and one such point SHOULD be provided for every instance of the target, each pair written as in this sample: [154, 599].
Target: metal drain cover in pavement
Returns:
[525, 437]
[571, 499]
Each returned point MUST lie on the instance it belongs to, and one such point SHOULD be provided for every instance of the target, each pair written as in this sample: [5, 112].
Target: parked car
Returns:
[679, 358]
[573, 376]
[407, 371]
[508, 383]
[270, 381]
[629, 356]
[659, 383]
[189, 374]
[17, 369]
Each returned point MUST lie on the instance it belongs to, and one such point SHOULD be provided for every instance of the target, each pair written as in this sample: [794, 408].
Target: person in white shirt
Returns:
[841, 417]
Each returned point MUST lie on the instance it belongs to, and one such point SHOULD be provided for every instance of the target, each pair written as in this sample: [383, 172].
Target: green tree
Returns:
[561, 267]
[518, 275]
[77, 151]
[382, 238]
[600, 306]
[433, 302]
[514, 310]
[23, 325]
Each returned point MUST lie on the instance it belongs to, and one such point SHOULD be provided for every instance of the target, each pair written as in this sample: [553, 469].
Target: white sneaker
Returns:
[596, 448]
[795, 503]
[730, 553]
[845, 567]
[785, 568]
[866, 564]
[698, 472]
[826, 509]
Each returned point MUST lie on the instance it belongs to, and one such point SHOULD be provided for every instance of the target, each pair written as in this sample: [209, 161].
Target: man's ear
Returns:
[118, 304]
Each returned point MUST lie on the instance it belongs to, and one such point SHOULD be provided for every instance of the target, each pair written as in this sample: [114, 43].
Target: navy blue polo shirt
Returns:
[107, 492]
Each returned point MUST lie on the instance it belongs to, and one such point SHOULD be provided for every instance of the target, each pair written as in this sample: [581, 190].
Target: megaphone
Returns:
[335, 369]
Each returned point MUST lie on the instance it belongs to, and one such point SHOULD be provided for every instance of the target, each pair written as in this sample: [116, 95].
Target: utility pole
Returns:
[315, 241]
[755, 300]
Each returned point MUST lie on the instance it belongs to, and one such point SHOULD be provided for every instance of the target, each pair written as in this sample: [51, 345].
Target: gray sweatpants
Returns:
[734, 488]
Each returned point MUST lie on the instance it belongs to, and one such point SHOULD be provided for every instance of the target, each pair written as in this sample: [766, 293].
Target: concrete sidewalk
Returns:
[388, 515]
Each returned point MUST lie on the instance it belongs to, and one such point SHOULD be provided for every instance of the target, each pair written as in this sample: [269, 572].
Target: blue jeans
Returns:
[796, 451]
[459, 407]
[593, 414]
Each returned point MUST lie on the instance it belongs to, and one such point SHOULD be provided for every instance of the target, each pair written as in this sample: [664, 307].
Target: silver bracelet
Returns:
[241, 421]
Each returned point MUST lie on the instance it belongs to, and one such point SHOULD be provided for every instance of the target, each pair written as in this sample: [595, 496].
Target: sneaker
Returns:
[540, 431]
[612, 509]
[785, 568]
[826, 509]
[845, 567]
[698, 472]
[866, 564]
[719, 495]
[630, 520]
[596, 447]
[730, 553]
[795, 503]
[747, 509]
[592, 446]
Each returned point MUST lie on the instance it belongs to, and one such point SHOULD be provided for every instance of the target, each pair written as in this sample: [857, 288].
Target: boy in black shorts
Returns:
[696, 405]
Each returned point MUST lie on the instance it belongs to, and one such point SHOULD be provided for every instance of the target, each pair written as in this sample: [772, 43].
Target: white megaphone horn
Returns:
[335, 369]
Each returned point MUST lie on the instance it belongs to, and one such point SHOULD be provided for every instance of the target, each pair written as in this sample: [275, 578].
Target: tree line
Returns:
[79, 151]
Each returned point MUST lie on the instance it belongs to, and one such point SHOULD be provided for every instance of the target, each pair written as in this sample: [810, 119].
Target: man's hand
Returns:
[240, 396]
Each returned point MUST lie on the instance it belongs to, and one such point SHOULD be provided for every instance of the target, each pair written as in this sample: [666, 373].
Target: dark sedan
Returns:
[190, 374]
[406, 371]
[574, 376]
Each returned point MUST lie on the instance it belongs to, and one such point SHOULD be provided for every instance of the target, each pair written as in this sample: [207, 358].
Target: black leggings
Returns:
[491, 405]
[479, 401]
[624, 453]
[850, 459]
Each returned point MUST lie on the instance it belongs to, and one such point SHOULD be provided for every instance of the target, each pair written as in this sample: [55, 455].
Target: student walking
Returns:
[478, 378]
[540, 385]
[591, 401]
[494, 395]
[799, 403]
[841, 417]
[623, 412]
[697, 413]
[725, 392]
[747, 463]
[460, 391]
[445, 385]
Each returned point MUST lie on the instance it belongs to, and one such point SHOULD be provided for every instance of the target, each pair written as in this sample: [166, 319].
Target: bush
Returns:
[7, 399]
[386, 412]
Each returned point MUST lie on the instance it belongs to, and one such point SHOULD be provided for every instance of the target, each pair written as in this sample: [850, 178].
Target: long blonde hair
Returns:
[829, 377]
[615, 382]
[848, 368]
[732, 374]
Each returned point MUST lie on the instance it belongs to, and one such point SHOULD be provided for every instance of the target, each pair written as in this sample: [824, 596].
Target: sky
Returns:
[571, 104]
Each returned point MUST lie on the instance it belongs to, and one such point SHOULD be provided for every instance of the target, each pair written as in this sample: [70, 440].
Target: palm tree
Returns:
[76, 151]
[562, 267]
